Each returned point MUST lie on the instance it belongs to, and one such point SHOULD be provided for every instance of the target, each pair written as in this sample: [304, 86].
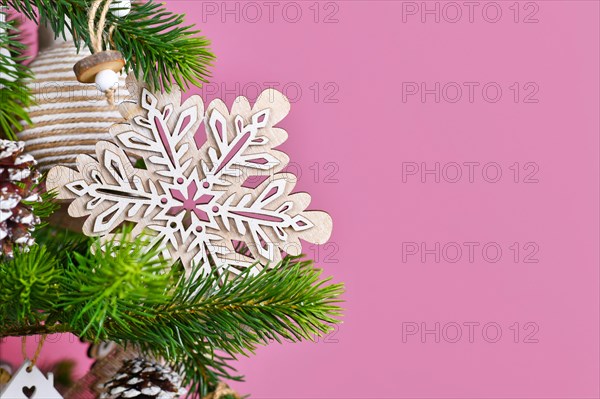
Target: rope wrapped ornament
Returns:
[71, 115]
[68, 117]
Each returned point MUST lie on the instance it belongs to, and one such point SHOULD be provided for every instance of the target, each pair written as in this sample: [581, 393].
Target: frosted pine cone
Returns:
[143, 379]
[18, 179]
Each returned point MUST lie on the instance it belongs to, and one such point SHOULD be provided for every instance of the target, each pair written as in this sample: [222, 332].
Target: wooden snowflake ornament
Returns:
[191, 198]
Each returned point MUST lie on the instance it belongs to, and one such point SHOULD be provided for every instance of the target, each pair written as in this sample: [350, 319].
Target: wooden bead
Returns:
[87, 68]
[106, 80]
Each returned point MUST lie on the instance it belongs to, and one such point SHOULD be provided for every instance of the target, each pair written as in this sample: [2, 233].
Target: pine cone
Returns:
[18, 179]
[143, 379]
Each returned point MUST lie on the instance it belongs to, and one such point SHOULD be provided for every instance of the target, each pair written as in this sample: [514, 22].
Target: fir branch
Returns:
[156, 47]
[122, 274]
[46, 205]
[18, 330]
[289, 302]
[14, 95]
[62, 241]
[30, 283]
[127, 294]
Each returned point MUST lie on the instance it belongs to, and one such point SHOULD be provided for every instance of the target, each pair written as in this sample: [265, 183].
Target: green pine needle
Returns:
[14, 96]
[156, 45]
[124, 292]
[29, 282]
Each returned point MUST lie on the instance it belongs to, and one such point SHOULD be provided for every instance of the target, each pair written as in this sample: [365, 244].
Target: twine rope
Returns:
[36, 355]
[97, 32]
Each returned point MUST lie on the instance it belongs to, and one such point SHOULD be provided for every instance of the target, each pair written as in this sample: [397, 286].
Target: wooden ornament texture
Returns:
[86, 69]
[69, 117]
[192, 198]
[30, 384]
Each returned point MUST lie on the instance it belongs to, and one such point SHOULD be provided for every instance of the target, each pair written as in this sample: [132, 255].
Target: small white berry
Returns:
[106, 79]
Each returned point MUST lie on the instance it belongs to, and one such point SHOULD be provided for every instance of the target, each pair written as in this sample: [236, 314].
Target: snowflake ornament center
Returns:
[195, 201]
[191, 199]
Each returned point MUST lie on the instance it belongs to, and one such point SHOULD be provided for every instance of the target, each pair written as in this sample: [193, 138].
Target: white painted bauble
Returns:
[2, 18]
[120, 8]
[3, 75]
[106, 79]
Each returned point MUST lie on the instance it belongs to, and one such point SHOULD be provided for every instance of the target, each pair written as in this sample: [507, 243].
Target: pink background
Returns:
[359, 131]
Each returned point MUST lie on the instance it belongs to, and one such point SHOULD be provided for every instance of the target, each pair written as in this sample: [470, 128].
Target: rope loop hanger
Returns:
[36, 355]
[103, 66]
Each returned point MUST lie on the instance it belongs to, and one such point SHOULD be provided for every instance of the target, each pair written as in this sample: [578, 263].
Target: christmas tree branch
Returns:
[37, 329]
[156, 47]
[125, 293]
[14, 95]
